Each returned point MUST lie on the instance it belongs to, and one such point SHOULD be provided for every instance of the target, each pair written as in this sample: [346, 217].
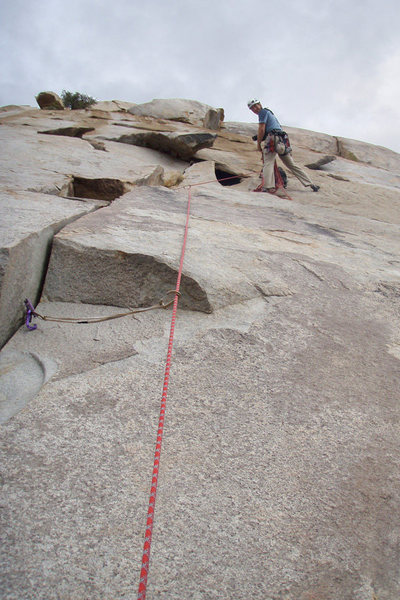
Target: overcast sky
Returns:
[326, 65]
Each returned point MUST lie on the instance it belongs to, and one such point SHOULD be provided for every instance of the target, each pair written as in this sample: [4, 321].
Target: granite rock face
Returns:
[183, 146]
[185, 111]
[278, 475]
[376, 156]
[28, 224]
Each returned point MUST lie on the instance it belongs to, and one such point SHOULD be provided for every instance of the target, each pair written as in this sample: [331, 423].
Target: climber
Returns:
[276, 142]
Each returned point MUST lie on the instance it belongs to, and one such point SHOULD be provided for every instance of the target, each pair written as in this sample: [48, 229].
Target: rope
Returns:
[278, 184]
[144, 572]
[218, 180]
[157, 454]
[279, 181]
[31, 312]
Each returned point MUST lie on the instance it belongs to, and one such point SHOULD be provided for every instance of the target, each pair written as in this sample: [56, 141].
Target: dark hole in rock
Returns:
[226, 178]
[97, 189]
[69, 131]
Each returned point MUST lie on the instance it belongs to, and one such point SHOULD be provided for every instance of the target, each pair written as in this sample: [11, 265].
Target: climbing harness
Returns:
[279, 142]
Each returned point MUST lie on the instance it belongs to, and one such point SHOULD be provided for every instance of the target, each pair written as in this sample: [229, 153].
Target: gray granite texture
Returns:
[280, 460]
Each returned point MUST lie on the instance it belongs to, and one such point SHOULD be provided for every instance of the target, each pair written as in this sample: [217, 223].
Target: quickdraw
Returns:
[30, 312]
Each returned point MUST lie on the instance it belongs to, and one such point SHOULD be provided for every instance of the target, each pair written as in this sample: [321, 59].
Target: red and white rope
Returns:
[157, 454]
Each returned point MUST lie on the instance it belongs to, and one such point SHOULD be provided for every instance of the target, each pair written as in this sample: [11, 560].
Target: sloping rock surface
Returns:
[183, 146]
[22, 376]
[278, 475]
[178, 109]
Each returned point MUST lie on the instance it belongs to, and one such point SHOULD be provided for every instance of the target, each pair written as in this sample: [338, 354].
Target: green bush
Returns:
[75, 100]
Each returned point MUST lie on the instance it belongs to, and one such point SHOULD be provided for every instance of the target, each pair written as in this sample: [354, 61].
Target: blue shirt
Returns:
[271, 122]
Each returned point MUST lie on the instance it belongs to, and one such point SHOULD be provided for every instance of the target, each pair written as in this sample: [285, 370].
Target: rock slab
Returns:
[26, 233]
[278, 477]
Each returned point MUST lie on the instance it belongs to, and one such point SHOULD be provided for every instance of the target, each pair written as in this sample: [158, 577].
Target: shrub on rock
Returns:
[76, 100]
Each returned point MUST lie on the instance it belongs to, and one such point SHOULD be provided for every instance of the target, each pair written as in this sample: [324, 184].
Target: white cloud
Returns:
[330, 66]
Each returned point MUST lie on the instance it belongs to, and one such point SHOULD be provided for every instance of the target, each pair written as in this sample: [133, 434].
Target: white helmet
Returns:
[251, 103]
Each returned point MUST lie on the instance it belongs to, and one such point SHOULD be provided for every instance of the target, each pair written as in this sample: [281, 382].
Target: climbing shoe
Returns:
[315, 188]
